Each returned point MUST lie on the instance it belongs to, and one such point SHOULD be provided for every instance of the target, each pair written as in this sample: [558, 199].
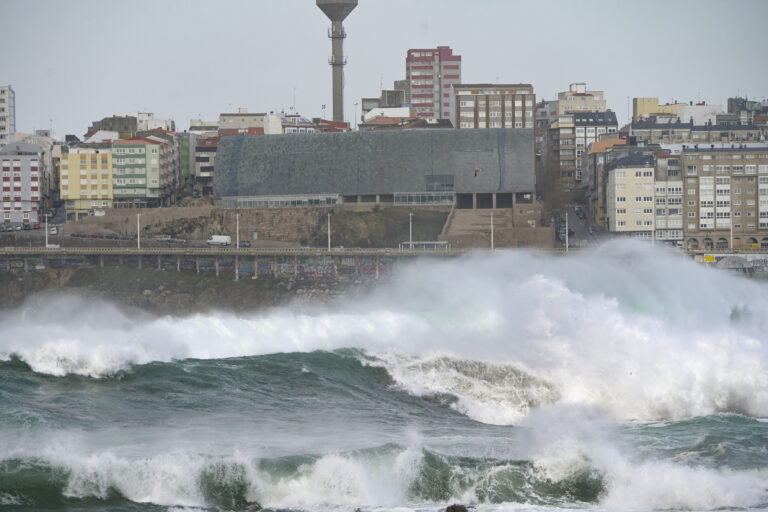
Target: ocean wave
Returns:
[644, 335]
[565, 474]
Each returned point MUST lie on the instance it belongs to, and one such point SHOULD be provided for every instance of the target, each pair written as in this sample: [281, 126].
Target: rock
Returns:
[456, 508]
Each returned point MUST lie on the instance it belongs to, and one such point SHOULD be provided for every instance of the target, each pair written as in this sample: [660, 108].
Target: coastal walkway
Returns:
[248, 262]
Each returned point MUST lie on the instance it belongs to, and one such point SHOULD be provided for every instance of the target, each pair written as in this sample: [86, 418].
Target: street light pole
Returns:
[329, 232]
[566, 231]
[237, 230]
[410, 231]
[46, 231]
[492, 249]
[138, 231]
[731, 234]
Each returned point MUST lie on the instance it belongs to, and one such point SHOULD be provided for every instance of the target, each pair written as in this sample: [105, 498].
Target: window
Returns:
[621, 199]
[621, 223]
[661, 200]
[661, 212]
[691, 191]
[691, 214]
[691, 170]
[621, 211]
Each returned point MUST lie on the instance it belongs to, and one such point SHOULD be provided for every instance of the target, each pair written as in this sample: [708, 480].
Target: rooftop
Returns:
[635, 160]
[601, 145]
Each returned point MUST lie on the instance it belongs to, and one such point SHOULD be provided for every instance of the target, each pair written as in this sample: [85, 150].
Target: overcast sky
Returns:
[76, 61]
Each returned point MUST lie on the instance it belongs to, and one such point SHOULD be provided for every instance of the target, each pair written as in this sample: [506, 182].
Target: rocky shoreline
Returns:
[171, 293]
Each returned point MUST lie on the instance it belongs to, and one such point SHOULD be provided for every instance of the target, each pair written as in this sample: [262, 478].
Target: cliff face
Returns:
[164, 292]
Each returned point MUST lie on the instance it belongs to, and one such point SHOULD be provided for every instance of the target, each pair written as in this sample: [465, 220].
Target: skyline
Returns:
[198, 59]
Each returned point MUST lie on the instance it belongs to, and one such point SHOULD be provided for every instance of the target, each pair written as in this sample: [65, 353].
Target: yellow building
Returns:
[644, 107]
[86, 179]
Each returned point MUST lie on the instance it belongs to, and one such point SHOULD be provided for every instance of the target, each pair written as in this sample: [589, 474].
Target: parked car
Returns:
[36, 225]
[245, 243]
[2, 229]
[54, 230]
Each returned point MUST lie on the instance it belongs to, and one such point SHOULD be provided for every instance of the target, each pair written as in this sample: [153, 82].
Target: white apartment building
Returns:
[7, 115]
[631, 196]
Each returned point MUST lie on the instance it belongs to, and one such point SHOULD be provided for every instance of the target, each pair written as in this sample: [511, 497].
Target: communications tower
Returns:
[337, 11]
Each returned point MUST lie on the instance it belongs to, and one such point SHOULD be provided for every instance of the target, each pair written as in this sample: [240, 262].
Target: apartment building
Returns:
[475, 106]
[430, 74]
[85, 179]
[630, 196]
[726, 195]
[140, 167]
[576, 99]
[242, 119]
[595, 163]
[643, 108]
[172, 178]
[205, 161]
[668, 190]
[7, 115]
[571, 135]
[22, 183]
[658, 130]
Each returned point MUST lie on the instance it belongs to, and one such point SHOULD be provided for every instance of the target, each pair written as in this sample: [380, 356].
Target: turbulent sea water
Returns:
[617, 379]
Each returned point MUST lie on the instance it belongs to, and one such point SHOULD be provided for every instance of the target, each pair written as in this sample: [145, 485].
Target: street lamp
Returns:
[138, 231]
[492, 249]
[329, 232]
[410, 231]
[237, 230]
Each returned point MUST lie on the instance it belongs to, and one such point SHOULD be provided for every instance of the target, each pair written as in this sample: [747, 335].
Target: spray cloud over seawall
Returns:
[641, 334]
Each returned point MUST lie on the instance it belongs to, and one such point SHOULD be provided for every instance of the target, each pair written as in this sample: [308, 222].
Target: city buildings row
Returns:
[695, 196]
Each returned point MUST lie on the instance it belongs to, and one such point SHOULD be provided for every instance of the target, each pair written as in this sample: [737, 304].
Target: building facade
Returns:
[486, 168]
[571, 135]
[726, 196]
[475, 106]
[667, 131]
[22, 184]
[630, 196]
[85, 175]
[140, 170]
[431, 73]
[576, 99]
[643, 108]
[7, 115]
[270, 122]
[205, 161]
